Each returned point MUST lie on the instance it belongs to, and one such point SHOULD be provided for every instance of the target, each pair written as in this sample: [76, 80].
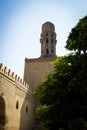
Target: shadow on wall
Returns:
[27, 117]
[2, 113]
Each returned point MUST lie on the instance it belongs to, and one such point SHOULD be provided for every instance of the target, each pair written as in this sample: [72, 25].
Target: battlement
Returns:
[14, 78]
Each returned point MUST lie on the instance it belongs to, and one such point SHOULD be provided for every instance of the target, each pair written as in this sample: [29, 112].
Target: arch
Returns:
[47, 40]
[17, 104]
[47, 51]
[2, 113]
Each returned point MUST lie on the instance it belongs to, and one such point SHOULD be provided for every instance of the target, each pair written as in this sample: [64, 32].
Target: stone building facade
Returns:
[16, 102]
[16, 95]
[35, 70]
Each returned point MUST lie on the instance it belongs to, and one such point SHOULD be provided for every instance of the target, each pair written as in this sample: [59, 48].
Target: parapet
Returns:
[14, 78]
[41, 59]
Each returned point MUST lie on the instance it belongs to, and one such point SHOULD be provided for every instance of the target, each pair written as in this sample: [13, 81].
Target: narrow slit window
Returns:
[47, 40]
[26, 108]
[17, 104]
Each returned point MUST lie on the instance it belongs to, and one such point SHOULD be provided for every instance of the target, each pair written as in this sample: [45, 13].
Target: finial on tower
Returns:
[48, 40]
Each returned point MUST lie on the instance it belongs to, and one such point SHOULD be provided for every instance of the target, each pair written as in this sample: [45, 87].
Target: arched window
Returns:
[47, 51]
[47, 40]
[52, 50]
[27, 108]
[17, 104]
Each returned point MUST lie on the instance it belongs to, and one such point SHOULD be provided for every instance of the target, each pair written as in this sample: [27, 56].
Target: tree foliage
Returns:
[77, 39]
[63, 96]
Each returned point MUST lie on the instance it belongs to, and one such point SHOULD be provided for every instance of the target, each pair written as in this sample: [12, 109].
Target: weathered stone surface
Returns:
[16, 96]
[11, 91]
[36, 70]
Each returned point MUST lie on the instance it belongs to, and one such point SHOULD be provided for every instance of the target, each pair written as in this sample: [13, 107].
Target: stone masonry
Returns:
[16, 102]
[16, 96]
[36, 70]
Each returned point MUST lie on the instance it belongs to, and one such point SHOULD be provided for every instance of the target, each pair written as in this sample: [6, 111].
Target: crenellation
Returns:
[13, 74]
[18, 79]
[14, 77]
[9, 72]
[1, 67]
[17, 94]
[6, 70]
[24, 83]
[21, 81]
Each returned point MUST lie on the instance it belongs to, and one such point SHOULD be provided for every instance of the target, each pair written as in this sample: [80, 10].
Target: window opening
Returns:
[47, 51]
[17, 104]
[27, 109]
[52, 50]
[47, 40]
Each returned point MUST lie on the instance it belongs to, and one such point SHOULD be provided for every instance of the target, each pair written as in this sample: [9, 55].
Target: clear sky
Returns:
[20, 27]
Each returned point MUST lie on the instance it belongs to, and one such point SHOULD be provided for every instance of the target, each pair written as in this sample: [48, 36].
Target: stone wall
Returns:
[16, 102]
[36, 70]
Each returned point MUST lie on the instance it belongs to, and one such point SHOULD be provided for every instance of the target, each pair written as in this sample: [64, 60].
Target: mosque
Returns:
[17, 102]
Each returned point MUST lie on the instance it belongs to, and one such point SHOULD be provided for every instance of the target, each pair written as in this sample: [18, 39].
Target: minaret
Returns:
[48, 40]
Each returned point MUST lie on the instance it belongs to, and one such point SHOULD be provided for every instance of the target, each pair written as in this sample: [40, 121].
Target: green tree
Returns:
[77, 39]
[63, 96]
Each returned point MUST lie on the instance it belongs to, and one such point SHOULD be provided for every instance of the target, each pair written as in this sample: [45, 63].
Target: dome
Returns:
[48, 26]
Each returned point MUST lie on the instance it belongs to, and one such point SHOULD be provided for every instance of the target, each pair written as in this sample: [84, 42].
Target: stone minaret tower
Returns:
[36, 69]
[48, 40]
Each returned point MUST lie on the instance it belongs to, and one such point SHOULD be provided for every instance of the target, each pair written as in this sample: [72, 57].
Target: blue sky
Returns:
[20, 27]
